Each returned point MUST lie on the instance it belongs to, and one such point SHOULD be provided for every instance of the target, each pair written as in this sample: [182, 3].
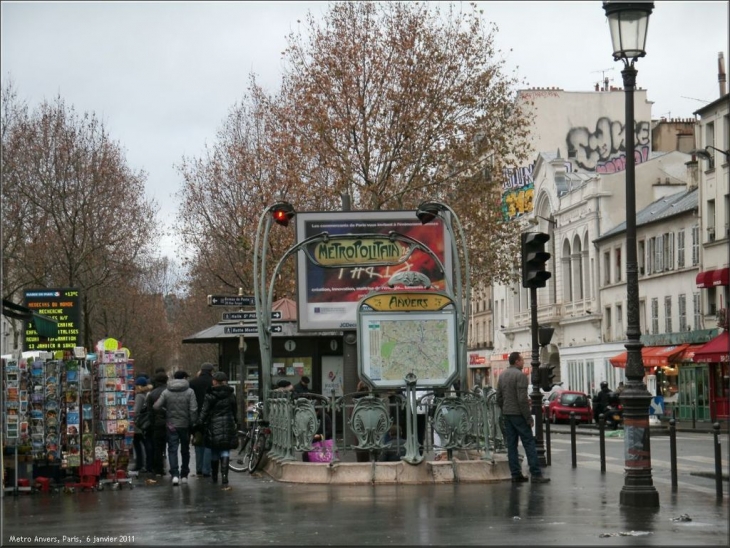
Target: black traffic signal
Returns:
[534, 258]
[546, 377]
[282, 212]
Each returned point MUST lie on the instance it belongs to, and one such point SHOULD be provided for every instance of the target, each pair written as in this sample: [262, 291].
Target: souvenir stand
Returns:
[18, 391]
[114, 374]
[79, 409]
[34, 421]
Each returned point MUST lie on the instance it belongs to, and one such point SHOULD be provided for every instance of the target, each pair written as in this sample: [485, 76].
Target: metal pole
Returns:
[548, 451]
[602, 440]
[638, 489]
[536, 395]
[673, 451]
[573, 454]
[718, 459]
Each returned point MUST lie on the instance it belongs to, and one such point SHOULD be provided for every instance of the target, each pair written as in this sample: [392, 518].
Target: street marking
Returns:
[620, 470]
[706, 460]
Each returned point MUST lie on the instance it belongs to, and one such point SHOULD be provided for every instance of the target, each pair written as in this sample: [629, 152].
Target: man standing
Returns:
[302, 387]
[158, 420]
[200, 385]
[182, 413]
[512, 398]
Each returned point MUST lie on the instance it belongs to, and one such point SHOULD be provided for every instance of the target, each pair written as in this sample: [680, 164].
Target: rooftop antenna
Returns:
[604, 78]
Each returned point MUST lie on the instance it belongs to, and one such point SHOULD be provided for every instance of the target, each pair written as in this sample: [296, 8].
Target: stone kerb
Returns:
[354, 473]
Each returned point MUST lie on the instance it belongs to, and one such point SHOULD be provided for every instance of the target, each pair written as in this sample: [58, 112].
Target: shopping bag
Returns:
[321, 451]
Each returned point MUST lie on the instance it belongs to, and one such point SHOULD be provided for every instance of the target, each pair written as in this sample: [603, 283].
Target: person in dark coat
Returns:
[218, 420]
[159, 424]
[302, 387]
[200, 385]
[601, 401]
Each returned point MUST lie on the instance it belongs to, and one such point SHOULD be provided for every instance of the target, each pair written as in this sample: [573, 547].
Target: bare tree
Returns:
[81, 215]
[386, 101]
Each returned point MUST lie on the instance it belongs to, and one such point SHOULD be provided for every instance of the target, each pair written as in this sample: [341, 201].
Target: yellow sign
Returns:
[360, 251]
[408, 301]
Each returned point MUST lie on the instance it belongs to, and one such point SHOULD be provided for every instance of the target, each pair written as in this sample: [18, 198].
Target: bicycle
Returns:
[252, 443]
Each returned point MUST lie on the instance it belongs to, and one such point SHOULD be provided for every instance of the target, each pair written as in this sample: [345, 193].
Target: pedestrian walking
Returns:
[218, 421]
[142, 457]
[158, 422]
[512, 398]
[200, 385]
[182, 413]
[601, 401]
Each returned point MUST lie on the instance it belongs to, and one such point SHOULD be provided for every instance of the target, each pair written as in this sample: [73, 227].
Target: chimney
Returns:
[721, 76]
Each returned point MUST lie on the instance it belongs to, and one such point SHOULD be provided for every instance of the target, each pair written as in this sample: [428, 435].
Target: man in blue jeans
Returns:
[514, 401]
[182, 412]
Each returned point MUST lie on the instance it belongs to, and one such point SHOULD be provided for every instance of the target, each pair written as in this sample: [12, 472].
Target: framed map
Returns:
[393, 344]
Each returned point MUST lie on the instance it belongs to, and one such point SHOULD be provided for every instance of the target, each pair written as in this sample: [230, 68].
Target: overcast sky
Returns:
[163, 75]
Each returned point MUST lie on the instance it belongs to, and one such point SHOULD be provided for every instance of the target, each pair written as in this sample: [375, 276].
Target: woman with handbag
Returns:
[218, 423]
[322, 441]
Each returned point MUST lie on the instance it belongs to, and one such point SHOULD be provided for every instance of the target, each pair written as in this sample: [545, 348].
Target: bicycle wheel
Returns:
[238, 461]
[257, 452]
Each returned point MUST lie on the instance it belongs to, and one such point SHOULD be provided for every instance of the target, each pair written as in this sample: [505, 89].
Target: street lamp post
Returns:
[628, 22]
[426, 212]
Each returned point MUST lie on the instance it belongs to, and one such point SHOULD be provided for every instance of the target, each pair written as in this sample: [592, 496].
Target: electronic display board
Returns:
[62, 305]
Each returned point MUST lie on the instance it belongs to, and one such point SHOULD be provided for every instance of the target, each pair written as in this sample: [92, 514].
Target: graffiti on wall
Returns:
[518, 189]
[603, 150]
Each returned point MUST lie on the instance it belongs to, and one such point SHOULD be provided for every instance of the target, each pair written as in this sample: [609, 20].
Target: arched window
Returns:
[576, 260]
[566, 271]
[587, 277]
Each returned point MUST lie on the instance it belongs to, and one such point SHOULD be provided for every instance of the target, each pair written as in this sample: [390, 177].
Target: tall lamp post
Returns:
[628, 22]
[426, 213]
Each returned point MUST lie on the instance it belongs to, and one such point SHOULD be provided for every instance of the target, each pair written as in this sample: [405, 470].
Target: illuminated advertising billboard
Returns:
[62, 305]
[333, 275]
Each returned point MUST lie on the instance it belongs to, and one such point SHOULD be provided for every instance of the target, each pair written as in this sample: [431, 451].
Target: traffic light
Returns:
[546, 377]
[534, 258]
[282, 213]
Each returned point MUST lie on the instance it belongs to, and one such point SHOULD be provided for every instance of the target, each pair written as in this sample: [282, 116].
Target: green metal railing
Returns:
[447, 421]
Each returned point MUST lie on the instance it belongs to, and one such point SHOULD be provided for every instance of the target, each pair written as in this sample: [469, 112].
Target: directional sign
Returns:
[239, 316]
[657, 406]
[247, 329]
[231, 300]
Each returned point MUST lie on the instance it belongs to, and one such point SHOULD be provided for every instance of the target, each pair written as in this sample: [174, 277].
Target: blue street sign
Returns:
[656, 407]
[231, 300]
[247, 329]
[240, 316]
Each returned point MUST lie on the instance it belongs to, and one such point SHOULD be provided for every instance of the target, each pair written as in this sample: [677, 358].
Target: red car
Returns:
[562, 403]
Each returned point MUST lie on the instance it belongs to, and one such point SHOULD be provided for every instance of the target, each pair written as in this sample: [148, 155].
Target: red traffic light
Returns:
[282, 213]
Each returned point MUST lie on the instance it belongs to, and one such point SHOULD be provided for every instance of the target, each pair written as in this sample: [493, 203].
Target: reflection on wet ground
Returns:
[579, 507]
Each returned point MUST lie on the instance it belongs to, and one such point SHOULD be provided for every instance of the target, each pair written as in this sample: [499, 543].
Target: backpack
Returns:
[143, 423]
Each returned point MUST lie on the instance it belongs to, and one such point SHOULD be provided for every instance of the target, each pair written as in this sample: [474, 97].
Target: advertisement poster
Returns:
[328, 295]
[332, 375]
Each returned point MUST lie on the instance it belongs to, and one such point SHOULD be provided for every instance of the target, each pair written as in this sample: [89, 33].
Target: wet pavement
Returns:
[579, 507]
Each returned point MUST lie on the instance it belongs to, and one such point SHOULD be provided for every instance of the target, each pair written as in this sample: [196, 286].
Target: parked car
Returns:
[562, 403]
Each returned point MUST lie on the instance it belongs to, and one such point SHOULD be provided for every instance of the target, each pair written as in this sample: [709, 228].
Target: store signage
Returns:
[476, 359]
[231, 300]
[62, 305]
[240, 316]
[247, 329]
[408, 301]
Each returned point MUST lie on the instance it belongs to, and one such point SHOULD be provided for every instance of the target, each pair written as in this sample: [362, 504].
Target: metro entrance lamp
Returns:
[628, 22]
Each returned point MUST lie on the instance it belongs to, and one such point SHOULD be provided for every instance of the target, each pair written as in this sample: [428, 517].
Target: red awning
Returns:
[720, 277]
[688, 353]
[652, 356]
[715, 351]
[712, 278]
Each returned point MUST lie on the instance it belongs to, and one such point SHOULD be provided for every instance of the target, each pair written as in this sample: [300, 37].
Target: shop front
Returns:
[714, 360]
[479, 369]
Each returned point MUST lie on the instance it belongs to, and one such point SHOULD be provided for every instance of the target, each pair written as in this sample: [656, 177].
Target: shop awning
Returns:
[715, 351]
[652, 356]
[44, 326]
[688, 353]
[712, 278]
